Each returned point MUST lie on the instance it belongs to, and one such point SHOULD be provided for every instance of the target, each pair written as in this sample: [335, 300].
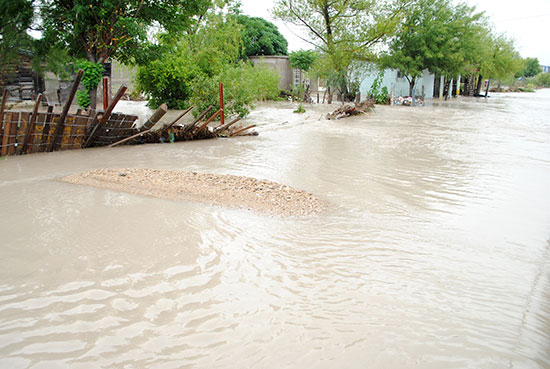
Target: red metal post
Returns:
[222, 116]
[105, 93]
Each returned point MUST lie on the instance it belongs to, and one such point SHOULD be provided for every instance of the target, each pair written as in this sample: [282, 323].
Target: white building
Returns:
[394, 81]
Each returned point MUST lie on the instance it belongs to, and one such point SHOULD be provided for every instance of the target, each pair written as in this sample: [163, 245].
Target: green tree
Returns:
[343, 31]
[501, 59]
[302, 59]
[532, 67]
[189, 72]
[261, 37]
[436, 35]
[16, 19]
[101, 29]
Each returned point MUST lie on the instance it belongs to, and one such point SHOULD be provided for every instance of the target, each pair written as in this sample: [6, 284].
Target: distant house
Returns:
[22, 83]
[394, 81]
[545, 68]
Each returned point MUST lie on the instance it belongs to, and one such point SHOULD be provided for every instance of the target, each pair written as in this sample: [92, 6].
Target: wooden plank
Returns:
[1, 127]
[106, 115]
[129, 123]
[31, 125]
[12, 133]
[181, 116]
[34, 142]
[224, 127]
[242, 130]
[46, 129]
[105, 93]
[6, 136]
[24, 118]
[61, 123]
[2, 109]
[208, 121]
[190, 126]
[66, 137]
[157, 115]
[80, 134]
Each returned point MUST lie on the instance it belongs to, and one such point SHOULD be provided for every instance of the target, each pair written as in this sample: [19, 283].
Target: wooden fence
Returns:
[32, 132]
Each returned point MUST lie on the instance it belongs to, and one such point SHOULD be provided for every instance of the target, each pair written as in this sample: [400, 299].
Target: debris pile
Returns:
[348, 110]
[408, 101]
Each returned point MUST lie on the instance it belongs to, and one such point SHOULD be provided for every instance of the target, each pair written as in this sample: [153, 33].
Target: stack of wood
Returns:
[349, 110]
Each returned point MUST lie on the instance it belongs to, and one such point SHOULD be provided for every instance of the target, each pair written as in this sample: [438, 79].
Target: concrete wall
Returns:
[279, 64]
[121, 74]
[399, 85]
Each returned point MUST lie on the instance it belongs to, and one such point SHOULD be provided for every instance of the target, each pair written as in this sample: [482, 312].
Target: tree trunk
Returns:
[478, 87]
[411, 86]
[329, 101]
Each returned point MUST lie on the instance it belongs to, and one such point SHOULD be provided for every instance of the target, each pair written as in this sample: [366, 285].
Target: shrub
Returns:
[380, 95]
[243, 84]
[542, 80]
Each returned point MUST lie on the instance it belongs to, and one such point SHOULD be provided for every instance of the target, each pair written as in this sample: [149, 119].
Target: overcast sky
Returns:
[527, 22]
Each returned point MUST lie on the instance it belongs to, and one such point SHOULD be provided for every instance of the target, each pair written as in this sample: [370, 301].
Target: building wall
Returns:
[279, 64]
[122, 75]
[399, 85]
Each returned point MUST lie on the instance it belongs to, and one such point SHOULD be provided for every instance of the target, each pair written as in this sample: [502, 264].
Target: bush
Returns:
[243, 84]
[380, 95]
[190, 71]
[169, 81]
[542, 80]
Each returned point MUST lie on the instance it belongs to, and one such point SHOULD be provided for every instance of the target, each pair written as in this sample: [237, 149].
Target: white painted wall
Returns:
[400, 86]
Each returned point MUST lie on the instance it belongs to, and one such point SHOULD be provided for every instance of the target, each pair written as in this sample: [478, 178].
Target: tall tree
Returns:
[436, 35]
[532, 67]
[343, 30]
[261, 37]
[101, 29]
[16, 19]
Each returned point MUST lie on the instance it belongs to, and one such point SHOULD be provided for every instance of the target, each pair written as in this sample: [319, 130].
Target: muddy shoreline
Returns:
[240, 192]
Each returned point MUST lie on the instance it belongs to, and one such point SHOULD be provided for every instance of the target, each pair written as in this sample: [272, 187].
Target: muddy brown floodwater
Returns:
[435, 253]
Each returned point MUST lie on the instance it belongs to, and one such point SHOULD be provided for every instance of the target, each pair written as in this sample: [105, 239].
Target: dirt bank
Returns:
[226, 190]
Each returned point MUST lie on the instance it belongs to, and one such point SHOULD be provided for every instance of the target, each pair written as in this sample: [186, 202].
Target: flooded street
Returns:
[434, 253]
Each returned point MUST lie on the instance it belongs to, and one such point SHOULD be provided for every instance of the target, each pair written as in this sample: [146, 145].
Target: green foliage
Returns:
[91, 76]
[435, 35]
[302, 59]
[300, 110]
[532, 67]
[343, 31]
[261, 37]
[16, 17]
[380, 95]
[98, 30]
[243, 85]
[191, 72]
[542, 80]
[168, 80]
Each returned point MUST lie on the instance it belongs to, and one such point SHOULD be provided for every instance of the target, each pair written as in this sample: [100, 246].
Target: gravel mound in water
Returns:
[226, 190]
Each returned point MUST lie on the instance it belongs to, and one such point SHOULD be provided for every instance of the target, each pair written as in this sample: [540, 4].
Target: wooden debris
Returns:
[61, 122]
[349, 110]
[31, 125]
[106, 115]
[25, 132]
